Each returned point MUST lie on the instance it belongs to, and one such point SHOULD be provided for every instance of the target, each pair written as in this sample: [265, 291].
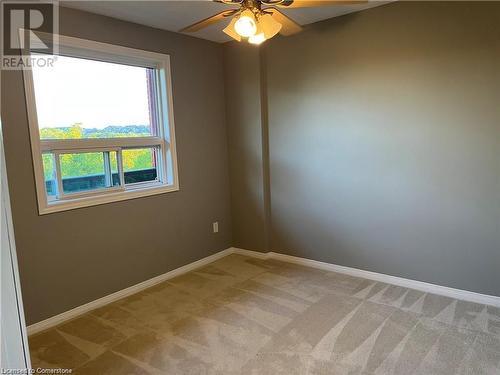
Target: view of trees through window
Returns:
[100, 116]
[75, 165]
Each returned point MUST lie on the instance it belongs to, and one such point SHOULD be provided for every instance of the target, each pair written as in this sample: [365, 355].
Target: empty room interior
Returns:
[250, 187]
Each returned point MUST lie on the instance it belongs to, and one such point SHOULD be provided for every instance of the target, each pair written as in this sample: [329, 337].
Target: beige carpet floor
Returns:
[241, 315]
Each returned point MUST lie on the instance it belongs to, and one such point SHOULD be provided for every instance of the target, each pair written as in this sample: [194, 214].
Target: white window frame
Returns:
[168, 180]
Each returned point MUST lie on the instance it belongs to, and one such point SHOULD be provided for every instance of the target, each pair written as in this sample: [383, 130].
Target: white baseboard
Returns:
[73, 313]
[250, 253]
[399, 281]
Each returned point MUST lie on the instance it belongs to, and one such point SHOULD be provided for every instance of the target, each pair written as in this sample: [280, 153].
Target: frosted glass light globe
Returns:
[246, 25]
[257, 38]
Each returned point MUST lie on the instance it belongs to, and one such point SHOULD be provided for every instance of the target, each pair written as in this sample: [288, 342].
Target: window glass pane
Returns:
[139, 165]
[114, 168]
[86, 171]
[81, 98]
[49, 173]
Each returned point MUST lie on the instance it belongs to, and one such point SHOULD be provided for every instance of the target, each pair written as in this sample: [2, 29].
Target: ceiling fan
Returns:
[258, 20]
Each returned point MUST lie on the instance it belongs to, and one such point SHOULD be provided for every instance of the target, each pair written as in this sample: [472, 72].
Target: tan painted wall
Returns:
[246, 140]
[384, 139]
[70, 258]
[383, 132]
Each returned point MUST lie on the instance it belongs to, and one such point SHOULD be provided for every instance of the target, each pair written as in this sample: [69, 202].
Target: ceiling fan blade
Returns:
[208, 21]
[228, 2]
[317, 3]
[288, 26]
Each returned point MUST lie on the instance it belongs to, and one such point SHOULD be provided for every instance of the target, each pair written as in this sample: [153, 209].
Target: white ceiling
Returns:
[174, 15]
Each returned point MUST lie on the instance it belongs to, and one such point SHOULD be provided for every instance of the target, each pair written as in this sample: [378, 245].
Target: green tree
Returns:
[92, 163]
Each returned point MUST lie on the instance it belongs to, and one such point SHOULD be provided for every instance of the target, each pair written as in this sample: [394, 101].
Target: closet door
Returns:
[14, 344]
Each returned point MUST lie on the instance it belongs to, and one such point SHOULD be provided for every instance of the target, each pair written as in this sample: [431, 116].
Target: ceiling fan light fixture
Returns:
[257, 39]
[246, 25]
[259, 36]
[270, 27]
[229, 30]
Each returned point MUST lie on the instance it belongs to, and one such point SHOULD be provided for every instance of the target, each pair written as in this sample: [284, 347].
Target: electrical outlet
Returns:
[215, 226]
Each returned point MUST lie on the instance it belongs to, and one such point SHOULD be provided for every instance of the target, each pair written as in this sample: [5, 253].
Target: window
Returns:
[101, 125]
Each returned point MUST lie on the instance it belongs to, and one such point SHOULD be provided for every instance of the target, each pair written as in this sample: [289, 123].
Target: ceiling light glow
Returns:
[257, 38]
[246, 25]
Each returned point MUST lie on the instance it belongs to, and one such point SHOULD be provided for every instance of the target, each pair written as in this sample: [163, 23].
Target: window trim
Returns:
[88, 49]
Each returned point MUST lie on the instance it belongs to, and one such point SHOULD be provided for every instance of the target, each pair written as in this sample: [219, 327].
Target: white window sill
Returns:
[94, 200]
